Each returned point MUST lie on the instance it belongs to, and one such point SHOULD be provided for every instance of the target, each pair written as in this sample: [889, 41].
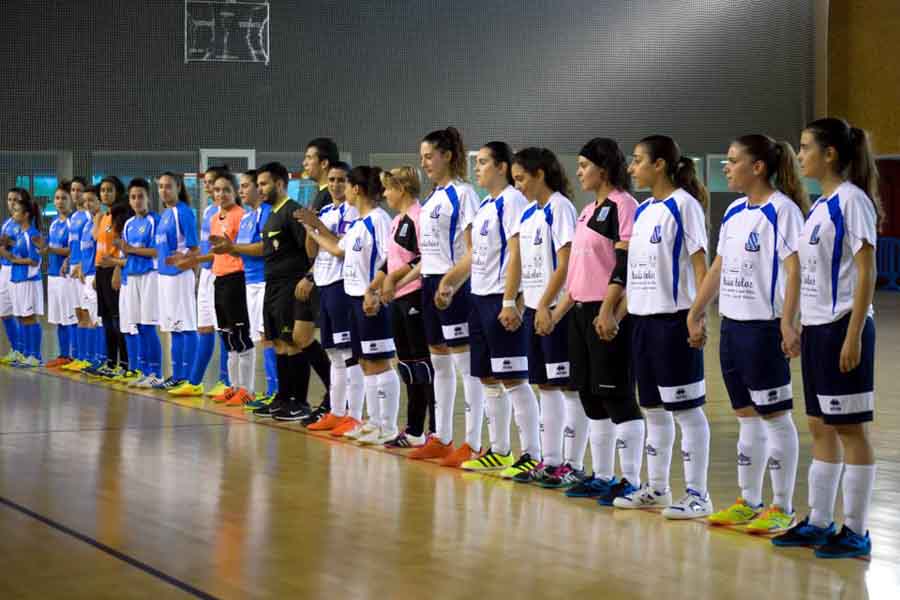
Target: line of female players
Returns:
[517, 289]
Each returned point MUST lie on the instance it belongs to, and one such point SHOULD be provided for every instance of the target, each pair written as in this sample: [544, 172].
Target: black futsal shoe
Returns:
[292, 411]
[315, 415]
[269, 410]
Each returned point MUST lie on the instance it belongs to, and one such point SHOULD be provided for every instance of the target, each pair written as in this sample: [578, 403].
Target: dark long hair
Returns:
[28, 204]
[679, 168]
[183, 195]
[534, 159]
[502, 153]
[782, 168]
[369, 180]
[606, 154]
[450, 140]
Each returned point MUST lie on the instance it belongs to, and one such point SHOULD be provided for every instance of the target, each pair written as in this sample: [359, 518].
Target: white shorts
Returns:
[6, 305]
[255, 294]
[28, 298]
[177, 303]
[142, 304]
[206, 300]
[89, 298]
[73, 289]
[126, 325]
[60, 303]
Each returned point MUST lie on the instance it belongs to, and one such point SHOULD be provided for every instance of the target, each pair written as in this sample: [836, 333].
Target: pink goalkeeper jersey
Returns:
[403, 248]
[593, 255]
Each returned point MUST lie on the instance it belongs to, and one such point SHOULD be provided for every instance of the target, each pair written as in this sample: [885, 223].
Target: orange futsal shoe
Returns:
[326, 423]
[239, 398]
[58, 362]
[456, 458]
[347, 423]
[433, 448]
[225, 396]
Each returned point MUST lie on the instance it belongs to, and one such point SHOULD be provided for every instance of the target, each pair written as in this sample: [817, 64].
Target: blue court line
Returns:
[185, 587]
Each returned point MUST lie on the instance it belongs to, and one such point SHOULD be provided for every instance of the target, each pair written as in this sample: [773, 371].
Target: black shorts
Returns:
[408, 326]
[307, 310]
[279, 310]
[107, 297]
[231, 301]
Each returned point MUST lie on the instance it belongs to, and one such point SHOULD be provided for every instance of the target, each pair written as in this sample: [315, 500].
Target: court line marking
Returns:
[94, 429]
[130, 560]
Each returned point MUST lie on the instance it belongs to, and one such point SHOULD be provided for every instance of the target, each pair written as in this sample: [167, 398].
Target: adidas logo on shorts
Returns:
[743, 460]
[651, 451]
[774, 465]
[568, 432]
[835, 405]
[621, 444]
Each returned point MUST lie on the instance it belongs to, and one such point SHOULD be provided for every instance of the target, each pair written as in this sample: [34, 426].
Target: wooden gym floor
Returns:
[107, 493]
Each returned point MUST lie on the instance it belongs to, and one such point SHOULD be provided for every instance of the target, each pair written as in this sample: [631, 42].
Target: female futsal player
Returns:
[60, 302]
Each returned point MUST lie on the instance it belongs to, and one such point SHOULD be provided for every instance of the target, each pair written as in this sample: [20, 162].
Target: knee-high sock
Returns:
[299, 377]
[11, 326]
[355, 391]
[151, 350]
[36, 335]
[73, 329]
[526, 412]
[100, 341]
[575, 434]
[191, 340]
[62, 338]
[338, 379]
[271, 370]
[751, 459]
[321, 364]
[78, 343]
[177, 355]
[694, 447]
[630, 443]
[784, 452]
[603, 447]
[444, 396]
[247, 370]
[474, 398]
[498, 409]
[389, 390]
[553, 410]
[283, 367]
[224, 371]
[373, 400]
[206, 343]
[859, 480]
[234, 375]
[824, 480]
[660, 440]
[132, 345]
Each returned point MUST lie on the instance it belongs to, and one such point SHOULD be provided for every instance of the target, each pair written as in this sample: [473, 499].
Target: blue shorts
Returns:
[669, 372]
[496, 352]
[548, 355]
[450, 326]
[754, 368]
[334, 316]
[838, 398]
[371, 337]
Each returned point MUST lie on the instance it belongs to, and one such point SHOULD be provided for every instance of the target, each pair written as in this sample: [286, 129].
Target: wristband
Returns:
[509, 304]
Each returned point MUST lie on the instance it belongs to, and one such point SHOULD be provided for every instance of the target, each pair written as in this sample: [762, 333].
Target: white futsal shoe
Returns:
[691, 506]
[645, 497]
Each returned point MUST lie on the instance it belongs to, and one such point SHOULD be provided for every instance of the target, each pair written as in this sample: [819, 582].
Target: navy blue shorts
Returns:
[334, 316]
[371, 337]
[669, 372]
[838, 398]
[451, 326]
[754, 368]
[495, 351]
[548, 355]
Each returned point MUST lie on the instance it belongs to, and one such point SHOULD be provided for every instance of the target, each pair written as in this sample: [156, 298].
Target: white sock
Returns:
[553, 408]
[338, 383]
[498, 413]
[857, 491]
[234, 373]
[784, 452]
[525, 408]
[474, 398]
[247, 369]
[824, 480]
[373, 399]
[575, 433]
[694, 447]
[630, 443]
[444, 396]
[603, 448]
[751, 461]
[389, 388]
[660, 440]
[355, 391]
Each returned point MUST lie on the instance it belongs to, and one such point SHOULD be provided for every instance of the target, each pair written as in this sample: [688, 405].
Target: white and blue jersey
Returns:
[57, 237]
[328, 267]
[835, 230]
[25, 247]
[76, 226]
[542, 232]
[754, 241]
[88, 248]
[10, 229]
[495, 223]
[175, 233]
[666, 234]
[445, 216]
[205, 225]
[250, 232]
[365, 250]
[140, 232]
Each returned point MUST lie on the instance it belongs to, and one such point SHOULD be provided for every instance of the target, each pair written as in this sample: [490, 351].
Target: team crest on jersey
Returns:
[752, 244]
[538, 238]
[604, 212]
[357, 245]
[484, 228]
[404, 229]
[436, 213]
[656, 237]
[814, 236]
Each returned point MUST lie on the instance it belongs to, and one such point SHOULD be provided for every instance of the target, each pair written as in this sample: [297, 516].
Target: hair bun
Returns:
[857, 135]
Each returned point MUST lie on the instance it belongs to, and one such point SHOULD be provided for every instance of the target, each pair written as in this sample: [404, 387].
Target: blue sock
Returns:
[21, 338]
[70, 348]
[151, 349]
[34, 338]
[132, 347]
[206, 343]
[271, 370]
[62, 337]
[27, 340]
[101, 344]
[178, 355]
[223, 363]
[190, 353]
[10, 325]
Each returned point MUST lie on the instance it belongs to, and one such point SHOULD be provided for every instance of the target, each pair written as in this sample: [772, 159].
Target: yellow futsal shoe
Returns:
[772, 520]
[217, 390]
[11, 357]
[186, 390]
[739, 513]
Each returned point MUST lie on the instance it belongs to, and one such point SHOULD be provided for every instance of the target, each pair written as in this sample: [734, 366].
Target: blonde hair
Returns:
[405, 178]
